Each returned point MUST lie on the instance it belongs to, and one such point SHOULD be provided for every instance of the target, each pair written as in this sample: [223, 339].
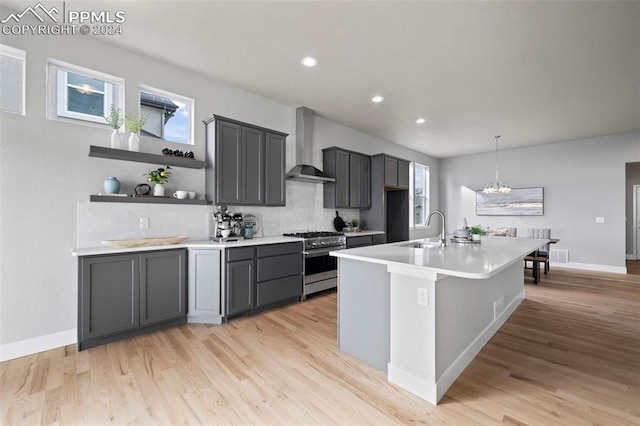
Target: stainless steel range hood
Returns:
[303, 171]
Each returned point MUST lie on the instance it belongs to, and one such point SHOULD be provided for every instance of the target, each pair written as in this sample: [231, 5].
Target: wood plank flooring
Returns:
[569, 355]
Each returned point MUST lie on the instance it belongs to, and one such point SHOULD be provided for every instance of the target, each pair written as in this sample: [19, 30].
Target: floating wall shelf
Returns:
[147, 200]
[144, 157]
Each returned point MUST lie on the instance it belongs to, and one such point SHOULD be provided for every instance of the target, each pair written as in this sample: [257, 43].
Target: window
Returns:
[12, 83]
[419, 195]
[169, 116]
[80, 94]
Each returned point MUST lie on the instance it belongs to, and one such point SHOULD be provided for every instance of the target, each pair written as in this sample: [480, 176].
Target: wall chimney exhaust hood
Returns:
[303, 171]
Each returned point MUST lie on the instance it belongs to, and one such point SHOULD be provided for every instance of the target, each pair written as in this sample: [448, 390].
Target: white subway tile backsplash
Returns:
[111, 221]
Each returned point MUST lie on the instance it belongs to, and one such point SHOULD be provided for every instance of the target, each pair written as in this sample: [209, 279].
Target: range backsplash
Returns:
[111, 221]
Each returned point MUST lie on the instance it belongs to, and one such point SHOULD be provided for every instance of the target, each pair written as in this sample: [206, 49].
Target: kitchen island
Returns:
[422, 312]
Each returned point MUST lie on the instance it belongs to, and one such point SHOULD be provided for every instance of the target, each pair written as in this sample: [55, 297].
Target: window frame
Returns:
[174, 97]
[57, 84]
[413, 196]
[21, 55]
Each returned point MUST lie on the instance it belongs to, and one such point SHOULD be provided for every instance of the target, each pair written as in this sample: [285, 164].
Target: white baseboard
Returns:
[37, 344]
[592, 267]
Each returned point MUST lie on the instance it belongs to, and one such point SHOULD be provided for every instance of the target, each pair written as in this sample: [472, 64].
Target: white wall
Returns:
[582, 179]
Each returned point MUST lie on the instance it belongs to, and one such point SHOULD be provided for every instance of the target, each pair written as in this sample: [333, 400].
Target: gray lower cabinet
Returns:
[365, 240]
[125, 295]
[205, 286]
[248, 167]
[263, 276]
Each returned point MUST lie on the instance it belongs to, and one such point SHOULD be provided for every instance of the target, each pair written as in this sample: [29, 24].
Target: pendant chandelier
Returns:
[496, 187]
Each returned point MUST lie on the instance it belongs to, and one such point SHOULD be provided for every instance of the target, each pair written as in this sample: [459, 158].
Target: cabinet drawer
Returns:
[281, 266]
[279, 249]
[364, 240]
[240, 253]
[277, 290]
[379, 239]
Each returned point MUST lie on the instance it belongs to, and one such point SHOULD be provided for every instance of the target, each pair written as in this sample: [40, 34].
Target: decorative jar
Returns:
[111, 185]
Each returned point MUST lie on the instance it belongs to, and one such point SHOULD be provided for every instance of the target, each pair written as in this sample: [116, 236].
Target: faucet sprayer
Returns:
[443, 239]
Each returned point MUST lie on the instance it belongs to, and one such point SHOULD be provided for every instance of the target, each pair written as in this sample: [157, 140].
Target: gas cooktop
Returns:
[313, 234]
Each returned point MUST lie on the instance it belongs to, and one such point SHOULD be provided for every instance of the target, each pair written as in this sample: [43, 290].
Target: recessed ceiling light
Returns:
[309, 61]
[420, 120]
[377, 99]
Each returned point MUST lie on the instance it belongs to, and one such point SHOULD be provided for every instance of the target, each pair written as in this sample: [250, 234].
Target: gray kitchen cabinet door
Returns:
[252, 170]
[403, 174]
[228, 163]
[360, 181]
[390, 171]
[275, 151]
[204, 292]
[240, 286]
[109, 299]
[342, 179]
[163, 291]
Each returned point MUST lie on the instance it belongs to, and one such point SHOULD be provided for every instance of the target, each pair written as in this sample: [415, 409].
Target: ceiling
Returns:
[533, 72]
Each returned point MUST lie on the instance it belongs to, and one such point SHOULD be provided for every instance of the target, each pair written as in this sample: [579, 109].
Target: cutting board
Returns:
[144, 242]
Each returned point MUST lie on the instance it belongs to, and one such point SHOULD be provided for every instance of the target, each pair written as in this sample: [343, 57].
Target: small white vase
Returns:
[116, 140]
[475, 237]
[134, 142]
[158, 190]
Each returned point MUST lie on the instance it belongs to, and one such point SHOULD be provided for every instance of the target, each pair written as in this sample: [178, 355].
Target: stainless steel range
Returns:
[320, 269]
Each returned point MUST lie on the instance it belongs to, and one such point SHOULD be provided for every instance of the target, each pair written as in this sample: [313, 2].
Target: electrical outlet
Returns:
[599, 219]
[498, 307]
[423, 296]
[144, 223]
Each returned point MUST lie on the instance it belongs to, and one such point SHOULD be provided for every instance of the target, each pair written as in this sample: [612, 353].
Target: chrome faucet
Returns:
[443, 239]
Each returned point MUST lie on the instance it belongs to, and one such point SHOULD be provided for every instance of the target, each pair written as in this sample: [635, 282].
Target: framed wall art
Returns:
[518, 202]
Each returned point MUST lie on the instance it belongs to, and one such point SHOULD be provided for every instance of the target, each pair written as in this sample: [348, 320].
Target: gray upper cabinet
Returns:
[352, 172]
[275, 155]
[248, 167]
[252, 168]
[359, 181]
[229, 163]
[396, 172]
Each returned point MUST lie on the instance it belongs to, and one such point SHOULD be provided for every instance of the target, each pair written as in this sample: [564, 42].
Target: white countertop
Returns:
[362, 233]
[189, 243]
[476, 261]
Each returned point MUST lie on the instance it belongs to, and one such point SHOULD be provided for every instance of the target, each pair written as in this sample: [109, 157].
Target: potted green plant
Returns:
[115, 119]
[134, 124]
[355, 222]
[160, 176]
[476, 232]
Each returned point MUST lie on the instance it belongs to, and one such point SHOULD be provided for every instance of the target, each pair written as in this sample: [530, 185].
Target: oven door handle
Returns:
[317, 253]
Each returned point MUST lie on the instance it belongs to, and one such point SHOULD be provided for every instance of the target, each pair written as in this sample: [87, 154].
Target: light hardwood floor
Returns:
[569, 355]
